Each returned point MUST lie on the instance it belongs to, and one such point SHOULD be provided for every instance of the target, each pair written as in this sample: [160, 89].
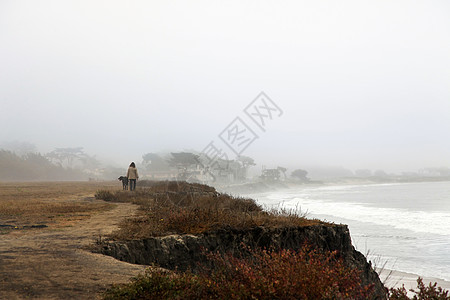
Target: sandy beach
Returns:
[394, 278]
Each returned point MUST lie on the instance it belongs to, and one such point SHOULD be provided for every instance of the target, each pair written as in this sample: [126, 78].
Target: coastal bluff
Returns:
[183, 252]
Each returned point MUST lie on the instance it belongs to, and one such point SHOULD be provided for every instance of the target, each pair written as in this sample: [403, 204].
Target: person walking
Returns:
[132, 175]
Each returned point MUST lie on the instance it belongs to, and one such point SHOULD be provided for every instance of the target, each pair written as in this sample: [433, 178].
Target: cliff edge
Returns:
[184, 252]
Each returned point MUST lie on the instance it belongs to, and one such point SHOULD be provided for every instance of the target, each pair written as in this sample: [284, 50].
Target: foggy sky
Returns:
[361, 84]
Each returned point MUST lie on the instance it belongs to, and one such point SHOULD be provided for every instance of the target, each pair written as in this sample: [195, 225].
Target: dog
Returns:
[124, 180]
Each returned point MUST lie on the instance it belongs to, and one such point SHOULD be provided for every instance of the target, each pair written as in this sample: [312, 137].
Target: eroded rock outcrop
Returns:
[184, 252]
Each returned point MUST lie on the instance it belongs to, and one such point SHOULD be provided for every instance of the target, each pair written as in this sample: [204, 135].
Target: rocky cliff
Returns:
[185, 251]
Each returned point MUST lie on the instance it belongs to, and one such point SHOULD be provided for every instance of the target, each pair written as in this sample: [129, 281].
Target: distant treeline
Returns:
[34, 166]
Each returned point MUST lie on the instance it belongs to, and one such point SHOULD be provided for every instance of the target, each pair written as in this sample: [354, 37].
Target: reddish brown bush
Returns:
[431, 292]
[306, 274]
[285, 274]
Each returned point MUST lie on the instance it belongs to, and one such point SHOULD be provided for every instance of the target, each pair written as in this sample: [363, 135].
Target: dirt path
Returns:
[51, 264]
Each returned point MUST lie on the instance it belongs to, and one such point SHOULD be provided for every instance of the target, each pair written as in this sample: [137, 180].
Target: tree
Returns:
[282, 170]
[380, 173]
[19, 148]
[33, 166]
[184, 160]
[300, 175]
[66, 156]
[363, 173]
[154, 162]
[89, 162]
[443, 171]
[73, 157]
[246, 162]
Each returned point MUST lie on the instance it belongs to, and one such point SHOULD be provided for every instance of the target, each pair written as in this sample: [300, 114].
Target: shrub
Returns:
[306, 274]
[105, 195]
[155, 284]
[175, 186]
[286, 274]
[182, 208]
[166, 215]
[432, 291]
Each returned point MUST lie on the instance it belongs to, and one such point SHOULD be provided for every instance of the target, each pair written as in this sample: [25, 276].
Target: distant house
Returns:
[157, 167]
[226, 171]
[201, 168]
[273, 174]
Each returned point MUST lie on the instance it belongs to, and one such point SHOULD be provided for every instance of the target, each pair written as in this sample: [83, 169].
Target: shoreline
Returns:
[392, 278]
[395, 279]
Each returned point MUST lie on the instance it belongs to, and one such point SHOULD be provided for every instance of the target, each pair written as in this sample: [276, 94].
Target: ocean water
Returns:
[401, 226]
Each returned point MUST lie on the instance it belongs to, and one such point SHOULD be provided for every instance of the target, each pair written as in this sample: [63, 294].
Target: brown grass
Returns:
[54, 204]
[181, 208]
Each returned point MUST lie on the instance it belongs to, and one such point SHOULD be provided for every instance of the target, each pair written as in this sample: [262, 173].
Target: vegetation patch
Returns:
[423, 292]
[285, 274]
[181, 208]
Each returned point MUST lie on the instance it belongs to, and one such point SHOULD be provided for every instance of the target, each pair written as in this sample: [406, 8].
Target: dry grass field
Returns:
[51, 261]
[54, 204]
